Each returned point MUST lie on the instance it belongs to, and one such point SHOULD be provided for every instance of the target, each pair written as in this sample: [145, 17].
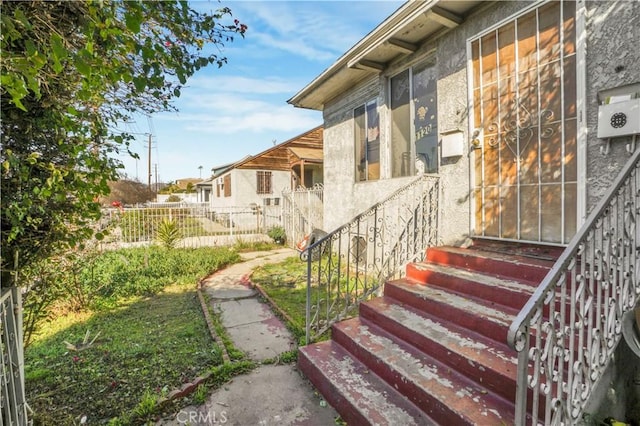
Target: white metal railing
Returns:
[352, 263]
[567, 332]
[13, 404]
[199, 224]
[302, 211]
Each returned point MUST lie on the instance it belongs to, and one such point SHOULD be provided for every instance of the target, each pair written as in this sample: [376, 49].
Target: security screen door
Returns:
[524, 116]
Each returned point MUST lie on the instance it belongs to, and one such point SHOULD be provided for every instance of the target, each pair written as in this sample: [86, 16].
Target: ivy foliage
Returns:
[71, 73]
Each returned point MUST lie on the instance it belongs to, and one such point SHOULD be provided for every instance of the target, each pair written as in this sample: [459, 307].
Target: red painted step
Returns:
[507, 292]
[484, 360]
[449, 397]
[522, 268]
[484, 317]
[433, 349]
[360, 396]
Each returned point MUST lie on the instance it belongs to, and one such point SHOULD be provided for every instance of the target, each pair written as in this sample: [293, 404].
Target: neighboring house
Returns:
[260, 179]
[205, 186]
[501, 101]
[203, 189]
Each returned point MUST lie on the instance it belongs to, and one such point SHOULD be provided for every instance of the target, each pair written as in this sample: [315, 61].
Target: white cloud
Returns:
[312, 29]
[238, 84]
[261, 118]
[298, 46]
[227, 104]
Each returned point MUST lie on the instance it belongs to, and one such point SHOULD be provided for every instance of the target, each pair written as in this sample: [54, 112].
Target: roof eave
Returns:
[441, 14]
[376, 37]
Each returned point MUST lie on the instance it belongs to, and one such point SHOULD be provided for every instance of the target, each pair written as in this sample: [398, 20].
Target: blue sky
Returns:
[240, 109]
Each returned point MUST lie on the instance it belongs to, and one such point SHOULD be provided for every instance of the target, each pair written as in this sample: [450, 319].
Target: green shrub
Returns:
[277, 234]
[91, 278]
[173, 198]
[168, 233]
[144, 271]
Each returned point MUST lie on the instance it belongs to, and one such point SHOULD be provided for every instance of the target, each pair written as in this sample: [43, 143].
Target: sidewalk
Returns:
[271, 394]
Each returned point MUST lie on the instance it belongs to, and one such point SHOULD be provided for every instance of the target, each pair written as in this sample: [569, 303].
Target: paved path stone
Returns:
[271, 394]
[254, 328]
[268, 396]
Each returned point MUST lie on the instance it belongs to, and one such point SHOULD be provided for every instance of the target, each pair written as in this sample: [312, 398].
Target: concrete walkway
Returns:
[271, 394]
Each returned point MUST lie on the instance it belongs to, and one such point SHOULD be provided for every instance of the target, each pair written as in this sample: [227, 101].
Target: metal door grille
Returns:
[523, 77]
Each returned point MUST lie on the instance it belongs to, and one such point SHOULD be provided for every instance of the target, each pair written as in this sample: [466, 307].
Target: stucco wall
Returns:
[618, 392]
[613, 60]
[613, 34]
[343, 198]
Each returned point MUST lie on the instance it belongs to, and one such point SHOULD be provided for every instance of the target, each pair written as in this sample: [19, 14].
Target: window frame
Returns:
[367, 170]
[264, 182]
[411, 170]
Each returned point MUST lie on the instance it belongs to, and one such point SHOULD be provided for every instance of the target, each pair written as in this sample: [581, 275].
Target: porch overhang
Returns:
[399, 35]
[309, 155]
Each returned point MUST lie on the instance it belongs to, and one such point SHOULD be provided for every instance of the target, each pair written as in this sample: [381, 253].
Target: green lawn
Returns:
[150, 344]
[286, 284]
[151, 340]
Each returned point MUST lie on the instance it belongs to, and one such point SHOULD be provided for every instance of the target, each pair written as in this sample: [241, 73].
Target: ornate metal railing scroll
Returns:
[567, 332]
[352, 263]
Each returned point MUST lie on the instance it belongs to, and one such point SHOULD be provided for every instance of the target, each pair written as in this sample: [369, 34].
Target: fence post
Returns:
[258, 210]
[309, 209]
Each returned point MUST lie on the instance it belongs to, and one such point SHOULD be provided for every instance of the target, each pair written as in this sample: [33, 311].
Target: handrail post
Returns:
[308, 304]
[521, 380]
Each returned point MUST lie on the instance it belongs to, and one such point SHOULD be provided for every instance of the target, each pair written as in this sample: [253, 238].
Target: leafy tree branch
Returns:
[71, 74]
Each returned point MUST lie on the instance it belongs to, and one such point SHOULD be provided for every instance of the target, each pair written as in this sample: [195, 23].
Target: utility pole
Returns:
[149, 163]
[156, 170]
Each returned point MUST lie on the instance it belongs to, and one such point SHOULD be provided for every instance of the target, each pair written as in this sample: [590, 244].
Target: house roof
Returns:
[277, 157]
[205, 182]
[218, 170]
[182, 183]
[399, 35]
[310, 154]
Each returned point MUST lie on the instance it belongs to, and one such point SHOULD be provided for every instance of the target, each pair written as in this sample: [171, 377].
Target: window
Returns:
[367, 142]
[276, 201]
[263, 184]
[227, 186]
[414, 121]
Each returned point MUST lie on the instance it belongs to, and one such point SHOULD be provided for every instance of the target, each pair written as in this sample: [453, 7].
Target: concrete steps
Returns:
[432, 349]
